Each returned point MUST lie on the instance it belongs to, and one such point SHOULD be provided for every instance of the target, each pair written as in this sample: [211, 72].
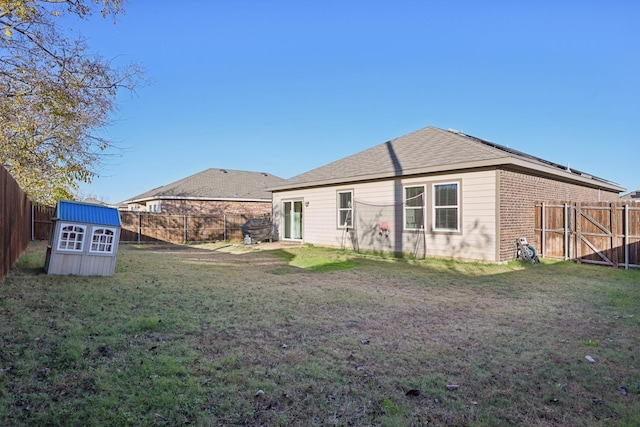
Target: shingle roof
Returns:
[88, 213]
[428, 150]
[632, 195]
[215, 184]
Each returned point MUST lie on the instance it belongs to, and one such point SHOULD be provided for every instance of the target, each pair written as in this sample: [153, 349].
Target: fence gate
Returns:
[604, 233]
[595, 227]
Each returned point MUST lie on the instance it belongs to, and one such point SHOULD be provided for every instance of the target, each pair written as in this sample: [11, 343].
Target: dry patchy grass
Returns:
[231, 335]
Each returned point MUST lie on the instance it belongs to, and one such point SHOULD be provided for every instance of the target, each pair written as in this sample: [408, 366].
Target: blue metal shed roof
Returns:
[90, 213]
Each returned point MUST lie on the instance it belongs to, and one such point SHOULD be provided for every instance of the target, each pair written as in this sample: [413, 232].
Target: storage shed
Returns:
[84, 239]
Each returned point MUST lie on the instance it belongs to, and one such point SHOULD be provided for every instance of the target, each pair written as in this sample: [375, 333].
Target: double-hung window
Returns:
[102, 240]
[446, 207]
[345, 209]
[414, 198]
[71, 237]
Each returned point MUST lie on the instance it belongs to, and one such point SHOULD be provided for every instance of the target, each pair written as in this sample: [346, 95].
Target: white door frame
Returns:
[292, 220]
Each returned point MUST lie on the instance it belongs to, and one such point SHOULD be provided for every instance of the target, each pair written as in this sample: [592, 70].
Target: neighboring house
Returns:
[94, 201]
[84, 239]
[432, 192]
[212, 191]
[634, 195]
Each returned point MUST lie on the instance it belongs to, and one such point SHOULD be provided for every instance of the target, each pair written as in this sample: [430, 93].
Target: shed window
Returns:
[446, 207]
[71, 237]
[345, 209]
[102, 240]
[414, 208]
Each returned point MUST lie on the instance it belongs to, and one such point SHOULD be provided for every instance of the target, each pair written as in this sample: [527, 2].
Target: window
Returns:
[446, 207]
[154, 207]
[102, 240]
[414, 207]
[71, 237]
[345, 209]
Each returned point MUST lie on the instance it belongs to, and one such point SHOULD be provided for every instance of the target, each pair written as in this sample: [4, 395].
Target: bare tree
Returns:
[55, 96]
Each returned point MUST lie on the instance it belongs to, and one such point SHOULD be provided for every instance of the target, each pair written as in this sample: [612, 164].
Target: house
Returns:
[432, 192]
[84, 239]
[634, 195]
[212, 191]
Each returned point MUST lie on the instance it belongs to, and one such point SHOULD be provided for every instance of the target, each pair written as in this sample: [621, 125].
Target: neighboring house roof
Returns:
[86, 213]
[632, 196]
[215, 184]
[431, 150]
[94, 200]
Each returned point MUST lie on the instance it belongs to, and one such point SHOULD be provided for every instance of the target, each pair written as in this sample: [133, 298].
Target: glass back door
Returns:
[292, 213]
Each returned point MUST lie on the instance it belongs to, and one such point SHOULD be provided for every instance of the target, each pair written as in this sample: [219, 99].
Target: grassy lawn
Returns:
[210, 335]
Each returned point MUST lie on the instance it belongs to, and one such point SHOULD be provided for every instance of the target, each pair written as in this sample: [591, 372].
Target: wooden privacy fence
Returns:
[41, 221]
[144, 227]
[604, 233]
[15, 221]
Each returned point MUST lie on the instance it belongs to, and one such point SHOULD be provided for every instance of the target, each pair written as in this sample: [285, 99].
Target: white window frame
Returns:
[348, 222]
[456, 206]
[71, 238]
[155, 207]
[105, 240]
[407, 207]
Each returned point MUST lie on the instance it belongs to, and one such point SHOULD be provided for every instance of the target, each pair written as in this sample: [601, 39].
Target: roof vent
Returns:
[223, 170]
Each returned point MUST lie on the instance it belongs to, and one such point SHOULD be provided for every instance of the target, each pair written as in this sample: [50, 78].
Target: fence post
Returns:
[626, 237]
[224, 227]
[614, 232]
[543, 240]
[185, 229]
[566, 232]
[578, 231]
[139, 227]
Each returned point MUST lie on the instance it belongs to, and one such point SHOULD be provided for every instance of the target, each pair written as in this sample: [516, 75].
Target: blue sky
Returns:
[287, 86]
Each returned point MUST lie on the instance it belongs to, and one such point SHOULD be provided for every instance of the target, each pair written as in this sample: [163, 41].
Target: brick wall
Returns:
[195, 207]
[518, 193]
